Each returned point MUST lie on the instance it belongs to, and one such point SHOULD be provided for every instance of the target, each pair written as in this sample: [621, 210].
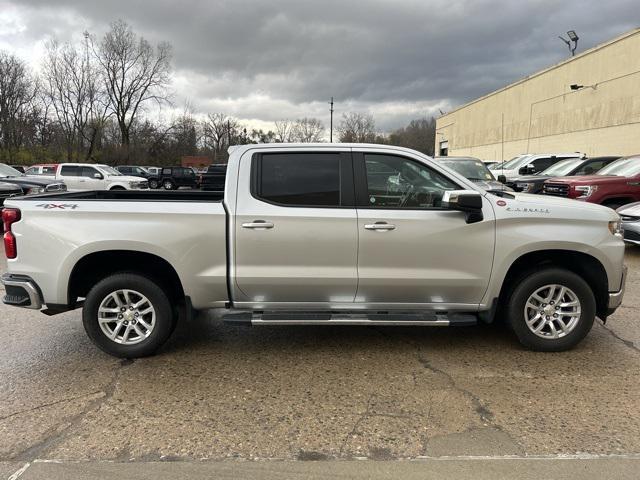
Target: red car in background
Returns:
[613, 186]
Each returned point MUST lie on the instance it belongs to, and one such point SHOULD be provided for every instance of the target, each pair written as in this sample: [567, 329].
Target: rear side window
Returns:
[298, 179]
[166, 171]
[70, 171]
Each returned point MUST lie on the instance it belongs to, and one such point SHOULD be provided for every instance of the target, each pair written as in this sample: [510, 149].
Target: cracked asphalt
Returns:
[317, 393]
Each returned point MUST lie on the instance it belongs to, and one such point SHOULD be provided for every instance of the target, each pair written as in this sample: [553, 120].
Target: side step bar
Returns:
[429, 319]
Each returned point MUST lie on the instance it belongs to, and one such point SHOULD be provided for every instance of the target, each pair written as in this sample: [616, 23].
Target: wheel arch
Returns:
[95, 266]
[586, 266]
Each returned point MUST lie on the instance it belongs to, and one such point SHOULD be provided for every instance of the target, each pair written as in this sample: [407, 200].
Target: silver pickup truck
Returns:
[317, 234]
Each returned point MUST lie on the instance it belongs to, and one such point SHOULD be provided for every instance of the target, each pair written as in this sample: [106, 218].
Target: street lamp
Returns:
[573, 38]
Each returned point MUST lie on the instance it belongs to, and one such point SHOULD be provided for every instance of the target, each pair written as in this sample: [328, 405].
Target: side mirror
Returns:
[502, 179]
[527, 170]
[468, 201]
[98, 176]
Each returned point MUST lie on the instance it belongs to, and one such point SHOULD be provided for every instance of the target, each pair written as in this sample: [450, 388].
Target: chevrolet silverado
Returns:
[317, 234]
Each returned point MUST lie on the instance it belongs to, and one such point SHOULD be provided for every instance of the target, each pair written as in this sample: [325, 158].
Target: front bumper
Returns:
[21, 291]
[615, 298]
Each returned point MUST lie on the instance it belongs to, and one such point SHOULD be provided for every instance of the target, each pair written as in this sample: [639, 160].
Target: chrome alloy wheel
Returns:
[126, 317]
[552, 311]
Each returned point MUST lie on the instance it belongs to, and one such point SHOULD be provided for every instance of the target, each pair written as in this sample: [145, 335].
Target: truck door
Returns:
[71, 176]
[296, 229]
[412, 250]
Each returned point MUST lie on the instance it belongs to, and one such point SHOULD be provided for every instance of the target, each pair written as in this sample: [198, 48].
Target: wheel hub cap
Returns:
[552, 311]
[126, 317]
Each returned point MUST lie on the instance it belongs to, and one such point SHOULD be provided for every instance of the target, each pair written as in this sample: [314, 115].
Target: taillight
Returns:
[9, 217]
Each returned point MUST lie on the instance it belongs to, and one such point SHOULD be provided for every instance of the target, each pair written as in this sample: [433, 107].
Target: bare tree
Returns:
[307, 130]
[135, 74]
[283, 130]
[219, 131]
[18, 92]
[419, 134]
[75, 91]
[357, 128]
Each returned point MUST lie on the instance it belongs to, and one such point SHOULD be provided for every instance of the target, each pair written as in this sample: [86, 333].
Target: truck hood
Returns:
[531, 178]
[29, 181]
[589, 179]
[562, 207]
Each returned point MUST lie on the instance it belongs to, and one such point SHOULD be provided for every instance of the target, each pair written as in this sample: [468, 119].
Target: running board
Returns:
[426, 319]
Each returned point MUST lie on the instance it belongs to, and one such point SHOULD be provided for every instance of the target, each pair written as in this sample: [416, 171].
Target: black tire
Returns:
[153, 183]
[168, 185]
[164, 315]
[527, 285]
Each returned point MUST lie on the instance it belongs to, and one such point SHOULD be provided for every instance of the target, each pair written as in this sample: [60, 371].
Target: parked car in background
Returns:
[133, 170]
[630, 217]
[613, 186]
[346, 234]
[473, 169]
[28, 184]
[8, 190]
[214, 177]
[565, 168]
[45, 169]
[171, 178]
[90, 176]
[529, 164]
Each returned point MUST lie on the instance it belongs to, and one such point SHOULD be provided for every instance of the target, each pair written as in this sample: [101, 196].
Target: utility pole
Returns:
[229, 132]
[331, 121]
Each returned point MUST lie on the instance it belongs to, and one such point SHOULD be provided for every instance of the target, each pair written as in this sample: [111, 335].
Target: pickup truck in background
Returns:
[213, 179]
[317, 234]
[565, 168]
[30, 185]
[613, 186]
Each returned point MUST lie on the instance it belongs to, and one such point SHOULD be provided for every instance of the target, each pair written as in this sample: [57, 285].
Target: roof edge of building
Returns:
[600, 46]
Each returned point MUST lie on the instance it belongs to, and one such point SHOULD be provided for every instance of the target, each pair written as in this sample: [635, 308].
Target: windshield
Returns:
[562, 168]
[470, 169]
[108, 170]
[515, 162]
[625, 167]
[7, 171]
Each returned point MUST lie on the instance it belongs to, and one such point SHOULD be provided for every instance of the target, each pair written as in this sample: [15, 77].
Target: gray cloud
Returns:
[268, 60]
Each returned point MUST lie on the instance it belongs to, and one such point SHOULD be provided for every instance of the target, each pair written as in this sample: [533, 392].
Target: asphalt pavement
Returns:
[308, 400]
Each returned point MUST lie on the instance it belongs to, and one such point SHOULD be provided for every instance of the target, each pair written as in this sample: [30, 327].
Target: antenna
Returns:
[331, 121]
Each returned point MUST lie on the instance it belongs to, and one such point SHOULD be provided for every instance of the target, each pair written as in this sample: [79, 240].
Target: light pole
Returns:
[573, 38]
[331, 121]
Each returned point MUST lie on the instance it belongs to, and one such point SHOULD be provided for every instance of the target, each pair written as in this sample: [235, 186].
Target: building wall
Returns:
[541, 113]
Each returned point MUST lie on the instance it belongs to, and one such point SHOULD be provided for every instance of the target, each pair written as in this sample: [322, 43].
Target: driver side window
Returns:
[397, 182]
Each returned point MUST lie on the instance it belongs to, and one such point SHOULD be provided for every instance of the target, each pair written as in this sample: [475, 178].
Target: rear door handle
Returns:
[381, 226]
[258, 224]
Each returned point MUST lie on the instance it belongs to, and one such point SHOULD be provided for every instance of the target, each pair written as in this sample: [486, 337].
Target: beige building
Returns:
[543, 113]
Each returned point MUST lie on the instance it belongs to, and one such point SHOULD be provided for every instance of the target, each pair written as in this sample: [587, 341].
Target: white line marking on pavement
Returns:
[19, 472]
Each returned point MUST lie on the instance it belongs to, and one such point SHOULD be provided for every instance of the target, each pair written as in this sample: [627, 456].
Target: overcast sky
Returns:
[266, 60]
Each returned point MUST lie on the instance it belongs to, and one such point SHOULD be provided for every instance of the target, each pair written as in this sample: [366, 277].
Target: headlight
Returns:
[615, 228]
[525, 187]
[35, 190]
[585, 191]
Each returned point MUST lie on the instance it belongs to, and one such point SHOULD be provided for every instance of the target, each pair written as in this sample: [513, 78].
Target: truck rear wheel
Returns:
[128, 315]
[551, 309]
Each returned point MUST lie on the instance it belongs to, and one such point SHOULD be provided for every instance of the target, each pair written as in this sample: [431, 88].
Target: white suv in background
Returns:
[90, 176]
[530, 164]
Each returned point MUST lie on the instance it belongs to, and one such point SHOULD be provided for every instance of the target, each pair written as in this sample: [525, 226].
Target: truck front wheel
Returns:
[551, 309]
[128, 315]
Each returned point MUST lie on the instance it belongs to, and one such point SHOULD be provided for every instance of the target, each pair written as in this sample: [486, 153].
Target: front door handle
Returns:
[380, 226]
[258, 224]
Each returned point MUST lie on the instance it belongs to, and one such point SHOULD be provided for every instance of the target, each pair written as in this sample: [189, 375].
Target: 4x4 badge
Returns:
[61, 206]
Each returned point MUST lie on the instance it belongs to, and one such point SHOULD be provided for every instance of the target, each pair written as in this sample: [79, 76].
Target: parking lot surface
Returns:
[317, 393]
